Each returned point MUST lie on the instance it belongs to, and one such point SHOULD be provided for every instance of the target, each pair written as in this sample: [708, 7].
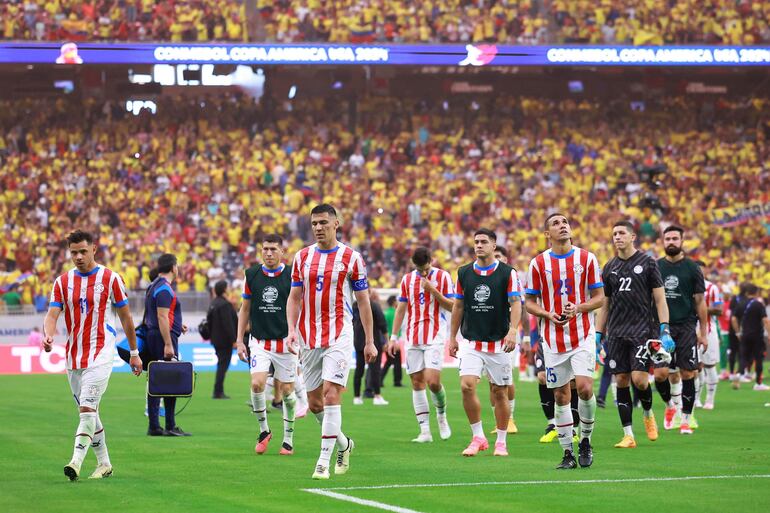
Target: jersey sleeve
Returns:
[57, 297]
[514, 285]
[653, 273]
[716, 298]
[445, 285]
[459, 293]
[118, 292]
[357, 273]
[404, 295]
[246, 294]
[699, 287]
[296, 271]
[163, 297]
[533, 279]
[594, 280]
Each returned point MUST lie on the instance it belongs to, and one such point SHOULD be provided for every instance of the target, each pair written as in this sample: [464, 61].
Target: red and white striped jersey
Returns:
[558, 279]
[89, 302]
[426, 321]
[328, 279]
[713, 298]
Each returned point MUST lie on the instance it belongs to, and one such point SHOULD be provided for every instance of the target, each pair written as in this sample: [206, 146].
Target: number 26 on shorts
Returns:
[550, 375]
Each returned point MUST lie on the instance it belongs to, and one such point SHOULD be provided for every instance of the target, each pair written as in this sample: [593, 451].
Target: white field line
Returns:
[362, 502]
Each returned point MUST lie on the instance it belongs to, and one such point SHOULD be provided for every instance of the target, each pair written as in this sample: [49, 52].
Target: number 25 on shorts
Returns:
[550, 375]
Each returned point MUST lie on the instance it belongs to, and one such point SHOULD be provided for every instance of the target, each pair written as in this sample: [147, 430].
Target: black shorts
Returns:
[626, 354]
[539, 358]
[685, 355]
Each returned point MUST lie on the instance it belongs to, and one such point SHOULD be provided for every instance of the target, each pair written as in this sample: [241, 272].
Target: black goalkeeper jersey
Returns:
[628, 286]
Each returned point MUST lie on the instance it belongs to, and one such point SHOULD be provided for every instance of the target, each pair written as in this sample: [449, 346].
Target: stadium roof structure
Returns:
[68, 53]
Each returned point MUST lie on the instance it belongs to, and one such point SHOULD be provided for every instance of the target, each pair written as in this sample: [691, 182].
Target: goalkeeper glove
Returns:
[665, 338]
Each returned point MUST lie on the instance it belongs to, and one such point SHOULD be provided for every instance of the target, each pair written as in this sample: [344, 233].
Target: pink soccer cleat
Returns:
[500, 449]
[477, 444]
[668, 418]
[264, 439]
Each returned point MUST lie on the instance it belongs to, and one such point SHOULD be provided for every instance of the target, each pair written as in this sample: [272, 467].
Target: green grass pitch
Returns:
[217, 470]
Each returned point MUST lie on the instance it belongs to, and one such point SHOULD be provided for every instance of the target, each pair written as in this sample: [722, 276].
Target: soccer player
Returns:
[563, 278]
[426, 299]
[89, 295]
[324, 279]
[685, 287]
[488, 305]
[265, 292]
[709, 359]
[632, 288]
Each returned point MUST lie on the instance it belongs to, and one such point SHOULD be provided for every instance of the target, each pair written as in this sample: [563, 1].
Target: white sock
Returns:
[502, 435]
[628, 431]
[587, 411]
[512, 404]
[531, 371]
[99, 444]
[685, 418]
[614, 388]
[421, 410]
[269, 390]
[711, 384]
[330, 431]
[258, 402]
[563, 418]
[289, 402]
[84, 436]
[478, 430]
[698, 385]
[300, 390]
[552, 422]
[676, 396]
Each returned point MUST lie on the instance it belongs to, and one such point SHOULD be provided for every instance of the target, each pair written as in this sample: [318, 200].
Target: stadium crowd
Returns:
[206, 177]
[637, 22]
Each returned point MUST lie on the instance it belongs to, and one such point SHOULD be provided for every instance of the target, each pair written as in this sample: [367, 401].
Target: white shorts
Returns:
[424, 357]
[711, 355]
[285, 364]
[327, 364]
[561, 368]
[497, 366]
[88, 385]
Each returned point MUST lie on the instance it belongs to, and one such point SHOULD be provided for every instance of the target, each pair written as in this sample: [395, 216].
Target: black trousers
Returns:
[373, 378]
[224, 355]
[753, 351]
[395, 361]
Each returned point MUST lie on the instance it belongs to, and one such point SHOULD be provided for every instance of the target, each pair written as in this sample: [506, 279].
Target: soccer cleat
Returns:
[550, 435]
[512, 429]
[694, 422]
[444, 430]
[72, 470]
[156, 431]
[177, 431]
[500, 449]
[685, 429]
[477, 444]
[343, 458]
[585, 453]
[651, 427]
[628, 442]
[321, 472]
[101, 472]
[698, 404]
[380, 401]
[761, 387]
[423, 438]
[286, 450]
[567, 462]
[264, 439]
[668, 418]
[677, 420]
[708, 406]
[357, 401]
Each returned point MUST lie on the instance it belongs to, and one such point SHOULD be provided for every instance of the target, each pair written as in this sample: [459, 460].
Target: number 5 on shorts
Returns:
[550, 375]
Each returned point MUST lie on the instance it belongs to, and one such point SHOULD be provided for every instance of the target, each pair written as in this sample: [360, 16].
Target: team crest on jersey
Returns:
[613, 364]
[638, 269]
[270, 294]
[339, 267]
[671, 282]
[98, 288]
[578, 269]
[482, 293]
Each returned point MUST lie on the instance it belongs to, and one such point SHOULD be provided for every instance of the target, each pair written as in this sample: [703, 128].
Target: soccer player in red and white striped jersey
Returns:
[89, 295]
[709, 358]
[564, 287]
[325, 278]
[426, 301]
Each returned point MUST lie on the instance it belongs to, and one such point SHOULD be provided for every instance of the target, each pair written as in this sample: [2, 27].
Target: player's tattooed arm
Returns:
[49, 327]
[596, 301]
[659, 295]
[702, 311]
[293, 304]
[398, 319]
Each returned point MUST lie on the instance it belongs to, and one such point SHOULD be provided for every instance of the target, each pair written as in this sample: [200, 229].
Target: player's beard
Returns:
[673, 251]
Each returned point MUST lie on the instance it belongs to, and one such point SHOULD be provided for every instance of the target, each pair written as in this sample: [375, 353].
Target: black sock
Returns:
[664, 389]
[645, 396]
[688, 395]
[574, 405]
[625, 408]
[546, 401]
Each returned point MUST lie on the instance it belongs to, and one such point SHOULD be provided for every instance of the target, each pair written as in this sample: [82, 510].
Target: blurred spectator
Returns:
[35, 337]
[223, 323]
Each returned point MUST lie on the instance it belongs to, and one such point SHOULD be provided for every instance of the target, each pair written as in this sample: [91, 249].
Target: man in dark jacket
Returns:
[223, 324]
[373, 380]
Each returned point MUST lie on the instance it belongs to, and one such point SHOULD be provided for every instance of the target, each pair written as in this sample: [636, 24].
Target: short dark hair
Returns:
[751, 289]
[166, 263]
[76, 236]
[421, 256]
[626, 224]
[324, 208]
[391, 300]
[220, 287]
[555, 214]
[674, 228]
[153, 273]
[273, 238]
[502, 251]
[486, 231]
[742, 288]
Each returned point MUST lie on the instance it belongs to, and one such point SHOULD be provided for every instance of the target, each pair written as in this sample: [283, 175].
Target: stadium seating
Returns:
[206, 177]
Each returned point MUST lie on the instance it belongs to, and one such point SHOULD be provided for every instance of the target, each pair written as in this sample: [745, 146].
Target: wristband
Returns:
[134, 352]
[664, 328]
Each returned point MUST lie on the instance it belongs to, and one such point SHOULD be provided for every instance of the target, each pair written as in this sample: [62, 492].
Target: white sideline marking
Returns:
[334, 492]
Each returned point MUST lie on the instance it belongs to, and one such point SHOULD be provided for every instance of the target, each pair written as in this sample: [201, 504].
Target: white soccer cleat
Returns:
[708, 406]
[343, 459]
[443, 427]
[358, 401]
[380, 401]
[321, 472]
[101, 472]
[72, 470]
[698, 404]
[423, 438]
[761, 387]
